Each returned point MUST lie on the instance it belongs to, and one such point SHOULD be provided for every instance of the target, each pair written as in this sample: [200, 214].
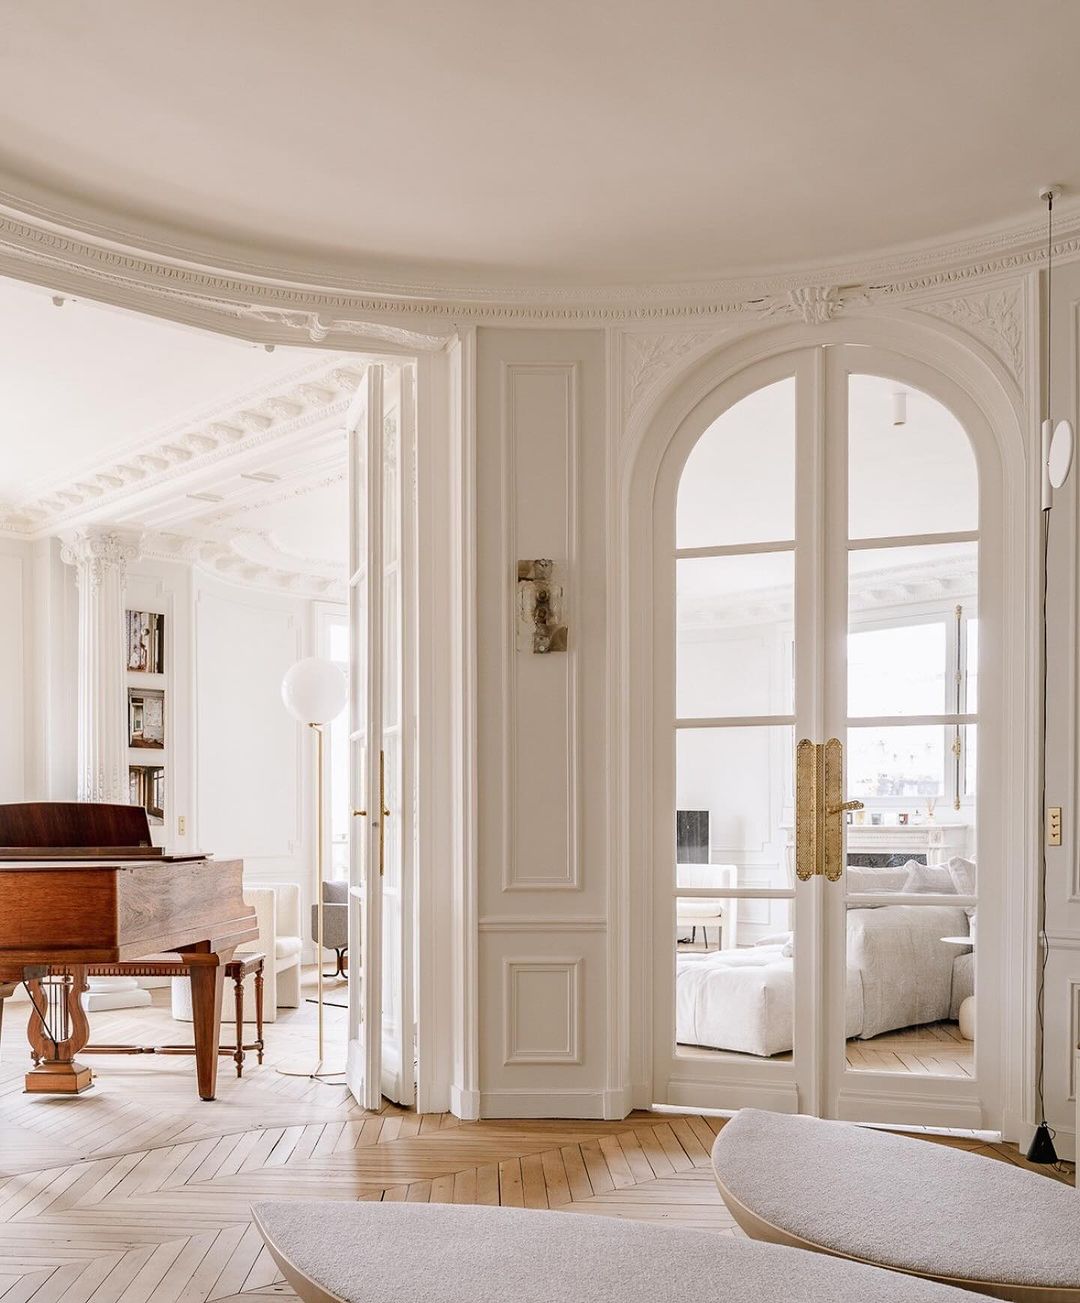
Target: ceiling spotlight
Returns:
[269, 347]
[899, 407]
[58, 300]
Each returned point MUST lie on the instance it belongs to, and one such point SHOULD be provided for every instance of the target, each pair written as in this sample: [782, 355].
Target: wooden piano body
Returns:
[82, 884]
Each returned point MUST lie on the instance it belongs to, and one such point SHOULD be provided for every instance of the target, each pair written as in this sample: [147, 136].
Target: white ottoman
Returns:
[910, 1205]
[438, 1253]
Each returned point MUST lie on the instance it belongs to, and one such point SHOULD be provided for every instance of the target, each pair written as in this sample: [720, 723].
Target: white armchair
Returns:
[695, 912]
[277, 911]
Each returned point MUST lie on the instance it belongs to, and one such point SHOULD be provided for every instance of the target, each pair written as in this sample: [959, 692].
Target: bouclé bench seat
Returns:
[910, 1205]
[363, 1252]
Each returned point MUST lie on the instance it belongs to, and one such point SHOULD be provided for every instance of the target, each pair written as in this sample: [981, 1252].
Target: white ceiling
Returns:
[562, 142]
[80, 384]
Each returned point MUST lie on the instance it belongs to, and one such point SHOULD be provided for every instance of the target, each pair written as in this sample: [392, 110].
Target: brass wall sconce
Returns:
[540, 623]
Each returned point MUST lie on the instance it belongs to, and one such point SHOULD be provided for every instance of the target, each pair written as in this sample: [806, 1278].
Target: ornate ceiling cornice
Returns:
[310, 397]
[264, 302]
[931, 582]
[224, 546]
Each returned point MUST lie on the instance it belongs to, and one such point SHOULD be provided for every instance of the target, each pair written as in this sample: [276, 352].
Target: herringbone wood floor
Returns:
[139, 1193]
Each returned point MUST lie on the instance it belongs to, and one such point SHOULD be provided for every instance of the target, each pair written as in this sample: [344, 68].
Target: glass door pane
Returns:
[734, 954]
[906, 916]
[398, 1030]
[725, 913]
[359, 599]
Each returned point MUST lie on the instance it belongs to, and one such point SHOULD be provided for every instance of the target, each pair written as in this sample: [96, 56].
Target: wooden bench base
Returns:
[238, 968]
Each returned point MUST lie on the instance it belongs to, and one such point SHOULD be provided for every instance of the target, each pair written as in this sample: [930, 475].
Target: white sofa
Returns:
[695, 912]
[277, 909]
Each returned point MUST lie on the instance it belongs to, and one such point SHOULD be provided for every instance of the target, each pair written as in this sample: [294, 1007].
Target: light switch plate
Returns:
[181, 826]
[1053, 825]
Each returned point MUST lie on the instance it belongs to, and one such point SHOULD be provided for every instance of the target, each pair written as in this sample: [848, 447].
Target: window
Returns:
[928, 666]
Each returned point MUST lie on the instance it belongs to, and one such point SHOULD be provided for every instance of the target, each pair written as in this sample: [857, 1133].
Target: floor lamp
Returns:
[1055, 461]
[314, 691]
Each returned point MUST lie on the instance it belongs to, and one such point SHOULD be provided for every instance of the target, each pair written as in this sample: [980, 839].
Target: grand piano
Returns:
[83, 884]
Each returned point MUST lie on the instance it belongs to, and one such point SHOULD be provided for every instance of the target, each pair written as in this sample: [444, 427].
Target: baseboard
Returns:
[588, 1104]
[465, 1104]
[618, 1103]
[914, 1110]
[690, 1094]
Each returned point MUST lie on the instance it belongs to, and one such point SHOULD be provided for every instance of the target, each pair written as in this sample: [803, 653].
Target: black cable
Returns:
[1044, 946]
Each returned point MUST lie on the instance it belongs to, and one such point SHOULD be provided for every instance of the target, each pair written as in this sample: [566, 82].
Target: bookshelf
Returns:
[147, 722]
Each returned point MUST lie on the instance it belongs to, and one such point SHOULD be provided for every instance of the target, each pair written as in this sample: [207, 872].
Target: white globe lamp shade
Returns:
[314, 690]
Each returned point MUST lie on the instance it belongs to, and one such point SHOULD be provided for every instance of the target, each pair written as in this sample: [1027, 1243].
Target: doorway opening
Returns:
[827, 675]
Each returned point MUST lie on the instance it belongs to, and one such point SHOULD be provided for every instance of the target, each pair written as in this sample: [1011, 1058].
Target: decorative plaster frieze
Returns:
[223, 545]
[226, 559]
[814, 304]
[996, 316]
[46, 249]
[313, 395]
[950, 578]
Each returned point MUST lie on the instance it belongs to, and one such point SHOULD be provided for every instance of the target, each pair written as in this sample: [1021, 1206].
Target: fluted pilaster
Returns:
[101, 558]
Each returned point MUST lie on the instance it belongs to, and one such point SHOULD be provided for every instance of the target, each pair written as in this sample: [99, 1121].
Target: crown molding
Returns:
[311, 397]
[274, 303]
[888, 588]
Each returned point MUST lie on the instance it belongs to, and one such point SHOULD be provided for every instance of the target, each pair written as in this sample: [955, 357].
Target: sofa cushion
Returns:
[706, 909]
[909, 1204]
[429, 1253]
[286, 946]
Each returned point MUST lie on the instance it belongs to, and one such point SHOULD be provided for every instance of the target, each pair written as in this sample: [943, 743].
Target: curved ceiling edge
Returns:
[272, 304]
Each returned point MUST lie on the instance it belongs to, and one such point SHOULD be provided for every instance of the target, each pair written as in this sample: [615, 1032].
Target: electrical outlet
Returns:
[181, 825]
[1053, 825]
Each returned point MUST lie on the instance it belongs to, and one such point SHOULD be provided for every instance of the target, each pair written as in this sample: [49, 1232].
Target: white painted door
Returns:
[816, 573]
[382, 1023]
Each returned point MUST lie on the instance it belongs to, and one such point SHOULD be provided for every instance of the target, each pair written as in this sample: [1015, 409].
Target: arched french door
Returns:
[826, 713]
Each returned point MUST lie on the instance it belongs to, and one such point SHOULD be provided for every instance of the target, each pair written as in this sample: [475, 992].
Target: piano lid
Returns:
[74, 830]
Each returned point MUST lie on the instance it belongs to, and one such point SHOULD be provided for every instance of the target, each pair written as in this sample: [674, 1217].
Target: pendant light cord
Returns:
[1049, 290]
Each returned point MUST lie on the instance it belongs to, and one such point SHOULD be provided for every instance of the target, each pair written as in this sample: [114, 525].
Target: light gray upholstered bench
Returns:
[910, 1205]
[431, 1253]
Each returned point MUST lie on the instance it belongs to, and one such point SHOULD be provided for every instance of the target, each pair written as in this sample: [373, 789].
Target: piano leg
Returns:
[207, 990]
[6, 989]
[57, 1030]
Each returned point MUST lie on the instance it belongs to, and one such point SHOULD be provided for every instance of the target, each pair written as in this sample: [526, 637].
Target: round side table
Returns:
[966, 1013]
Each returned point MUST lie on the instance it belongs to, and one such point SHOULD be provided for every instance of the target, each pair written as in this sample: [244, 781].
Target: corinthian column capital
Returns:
[100, 552]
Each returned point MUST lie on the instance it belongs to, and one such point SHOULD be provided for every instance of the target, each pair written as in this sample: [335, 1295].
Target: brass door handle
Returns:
[819, 827]
[844, 805]
[385, 813]
[807, 830]
[832, 790]
[359, 814]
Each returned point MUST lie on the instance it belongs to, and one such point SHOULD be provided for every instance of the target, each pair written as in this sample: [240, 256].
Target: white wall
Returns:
[251, 758]
[542, 780]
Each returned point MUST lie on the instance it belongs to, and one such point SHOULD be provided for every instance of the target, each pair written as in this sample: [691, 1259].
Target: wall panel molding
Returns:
[541, 718]
[542, 923]
[547, 993]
